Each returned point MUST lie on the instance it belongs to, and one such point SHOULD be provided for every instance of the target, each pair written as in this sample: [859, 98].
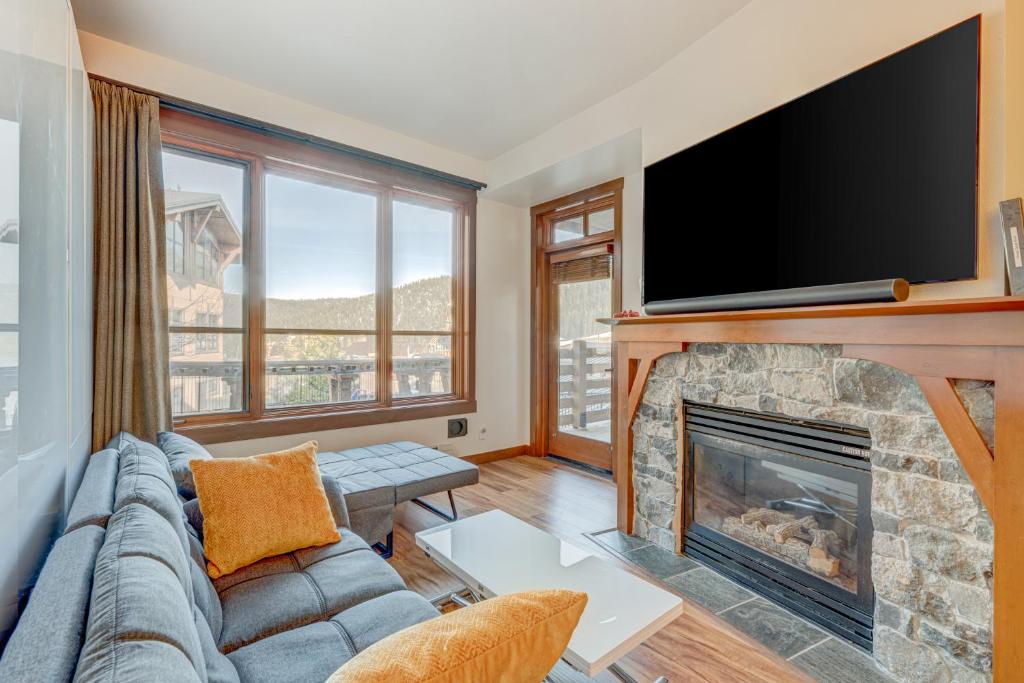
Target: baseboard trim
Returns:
[500, 454]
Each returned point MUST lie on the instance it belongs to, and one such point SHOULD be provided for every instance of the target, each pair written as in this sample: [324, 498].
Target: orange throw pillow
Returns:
[261, 506]
[514, 638]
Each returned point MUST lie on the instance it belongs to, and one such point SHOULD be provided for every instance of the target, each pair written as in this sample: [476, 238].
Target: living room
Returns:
[509, 341]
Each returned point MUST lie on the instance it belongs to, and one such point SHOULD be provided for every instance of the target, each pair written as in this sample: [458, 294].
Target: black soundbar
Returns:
[848, 293]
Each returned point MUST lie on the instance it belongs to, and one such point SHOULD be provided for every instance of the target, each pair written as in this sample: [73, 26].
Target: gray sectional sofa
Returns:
[124, 595]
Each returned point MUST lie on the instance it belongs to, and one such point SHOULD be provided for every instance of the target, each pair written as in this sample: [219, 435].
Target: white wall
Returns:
[503, 314]
[770, 52]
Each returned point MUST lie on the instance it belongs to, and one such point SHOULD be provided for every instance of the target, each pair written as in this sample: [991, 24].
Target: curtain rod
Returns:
[188, 107]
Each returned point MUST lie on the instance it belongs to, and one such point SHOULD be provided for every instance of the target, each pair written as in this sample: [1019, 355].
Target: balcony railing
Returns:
[584, 385]
[216, 386]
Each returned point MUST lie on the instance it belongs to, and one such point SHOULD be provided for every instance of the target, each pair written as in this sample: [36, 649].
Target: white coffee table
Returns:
[495, 553]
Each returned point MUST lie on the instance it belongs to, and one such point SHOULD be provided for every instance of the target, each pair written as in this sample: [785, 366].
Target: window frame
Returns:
[265, 153]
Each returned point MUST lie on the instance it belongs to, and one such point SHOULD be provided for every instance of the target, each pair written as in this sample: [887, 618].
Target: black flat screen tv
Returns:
[871, 177]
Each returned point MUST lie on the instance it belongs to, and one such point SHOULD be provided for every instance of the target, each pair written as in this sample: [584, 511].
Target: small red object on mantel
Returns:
[628, 313]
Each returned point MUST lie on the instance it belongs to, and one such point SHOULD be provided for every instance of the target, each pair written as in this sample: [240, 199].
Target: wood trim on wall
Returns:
[934, 341]
[540, 247]
[500, 454]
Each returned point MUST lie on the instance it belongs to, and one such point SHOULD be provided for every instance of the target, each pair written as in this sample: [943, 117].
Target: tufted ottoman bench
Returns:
[376, 478]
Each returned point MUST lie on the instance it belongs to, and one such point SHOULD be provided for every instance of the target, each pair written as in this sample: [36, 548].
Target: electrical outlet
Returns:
[445, 448]
[482, 434]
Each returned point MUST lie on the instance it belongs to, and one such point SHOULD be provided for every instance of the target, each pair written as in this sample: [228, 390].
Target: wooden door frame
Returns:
[540, 247]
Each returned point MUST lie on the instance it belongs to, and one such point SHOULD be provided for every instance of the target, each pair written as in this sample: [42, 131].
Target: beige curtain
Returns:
[132, 386]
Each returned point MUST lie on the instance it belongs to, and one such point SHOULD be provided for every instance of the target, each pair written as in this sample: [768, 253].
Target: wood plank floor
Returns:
[568, 502]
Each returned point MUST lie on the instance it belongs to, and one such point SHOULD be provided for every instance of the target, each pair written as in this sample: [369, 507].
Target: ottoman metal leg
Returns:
[386, 550]
[443, 515]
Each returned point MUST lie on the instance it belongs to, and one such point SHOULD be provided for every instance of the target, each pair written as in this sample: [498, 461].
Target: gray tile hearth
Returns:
[773, 627]
[837, 662]
[660, 562]
[822, 656]
[620, 542]
[708, 589]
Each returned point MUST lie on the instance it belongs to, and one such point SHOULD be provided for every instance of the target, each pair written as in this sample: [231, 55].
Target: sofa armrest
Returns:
[336, 499]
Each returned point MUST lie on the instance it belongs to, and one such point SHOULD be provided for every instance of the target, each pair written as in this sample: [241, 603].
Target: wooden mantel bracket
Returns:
[934, 341]
[638, 358]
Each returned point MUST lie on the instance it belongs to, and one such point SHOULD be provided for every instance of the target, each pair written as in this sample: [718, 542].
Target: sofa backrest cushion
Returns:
[180, 450]
[122, 439]
[94, 501]
[141, 624]
[144, 478]
[203, 589]
[49, 636]
[219, 668]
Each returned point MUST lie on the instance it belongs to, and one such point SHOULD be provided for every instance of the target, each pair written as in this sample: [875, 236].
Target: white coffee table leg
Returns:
[620, 673]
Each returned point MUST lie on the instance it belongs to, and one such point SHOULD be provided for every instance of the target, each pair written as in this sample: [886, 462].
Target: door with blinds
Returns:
[578, 281]
[581, 292]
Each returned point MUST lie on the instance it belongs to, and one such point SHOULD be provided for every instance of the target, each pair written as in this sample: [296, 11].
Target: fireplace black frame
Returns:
[831, 449]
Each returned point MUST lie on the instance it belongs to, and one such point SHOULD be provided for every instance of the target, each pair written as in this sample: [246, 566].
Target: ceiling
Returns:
[474, 76]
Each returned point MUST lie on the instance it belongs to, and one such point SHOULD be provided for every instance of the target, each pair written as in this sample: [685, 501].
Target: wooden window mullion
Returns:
[254, 274]
[384, 298]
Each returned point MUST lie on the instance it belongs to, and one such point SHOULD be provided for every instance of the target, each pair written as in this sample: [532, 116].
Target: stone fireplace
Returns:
[928, 558]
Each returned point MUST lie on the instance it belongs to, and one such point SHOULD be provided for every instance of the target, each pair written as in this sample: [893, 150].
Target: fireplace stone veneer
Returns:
[932, 547]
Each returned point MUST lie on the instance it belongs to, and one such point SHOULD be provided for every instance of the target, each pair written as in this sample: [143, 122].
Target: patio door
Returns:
[577, 283]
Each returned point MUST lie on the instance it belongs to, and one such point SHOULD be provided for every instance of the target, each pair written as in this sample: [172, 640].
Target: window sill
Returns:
[282, 425]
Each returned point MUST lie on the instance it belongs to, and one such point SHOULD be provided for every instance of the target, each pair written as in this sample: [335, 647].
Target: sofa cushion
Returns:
[219, 668]
[313, 652]
[144, 478]
[365, 623]
[141, 624]
[362, 487]
[94, 501]
[49, 636]
[123, 439]
[261, 506]
[203, 591]
[283, 592]
[180, 450]
[414, 469]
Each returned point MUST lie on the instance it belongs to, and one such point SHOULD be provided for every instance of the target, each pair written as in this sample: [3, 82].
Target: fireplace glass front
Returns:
[783, 506]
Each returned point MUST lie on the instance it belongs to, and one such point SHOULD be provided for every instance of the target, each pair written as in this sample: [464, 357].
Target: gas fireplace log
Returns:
[820, 538]
[803, 544]
[783, 532]
[764, 516]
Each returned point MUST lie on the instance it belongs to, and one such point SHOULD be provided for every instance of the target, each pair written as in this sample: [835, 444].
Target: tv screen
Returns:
[873, 176]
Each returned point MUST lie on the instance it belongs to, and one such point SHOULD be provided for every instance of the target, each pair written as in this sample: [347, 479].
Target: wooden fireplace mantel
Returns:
[936, 342]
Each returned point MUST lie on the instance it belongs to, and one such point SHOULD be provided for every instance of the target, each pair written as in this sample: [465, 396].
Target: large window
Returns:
[309, 289]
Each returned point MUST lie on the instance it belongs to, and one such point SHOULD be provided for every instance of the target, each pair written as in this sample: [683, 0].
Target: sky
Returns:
[321, 240]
